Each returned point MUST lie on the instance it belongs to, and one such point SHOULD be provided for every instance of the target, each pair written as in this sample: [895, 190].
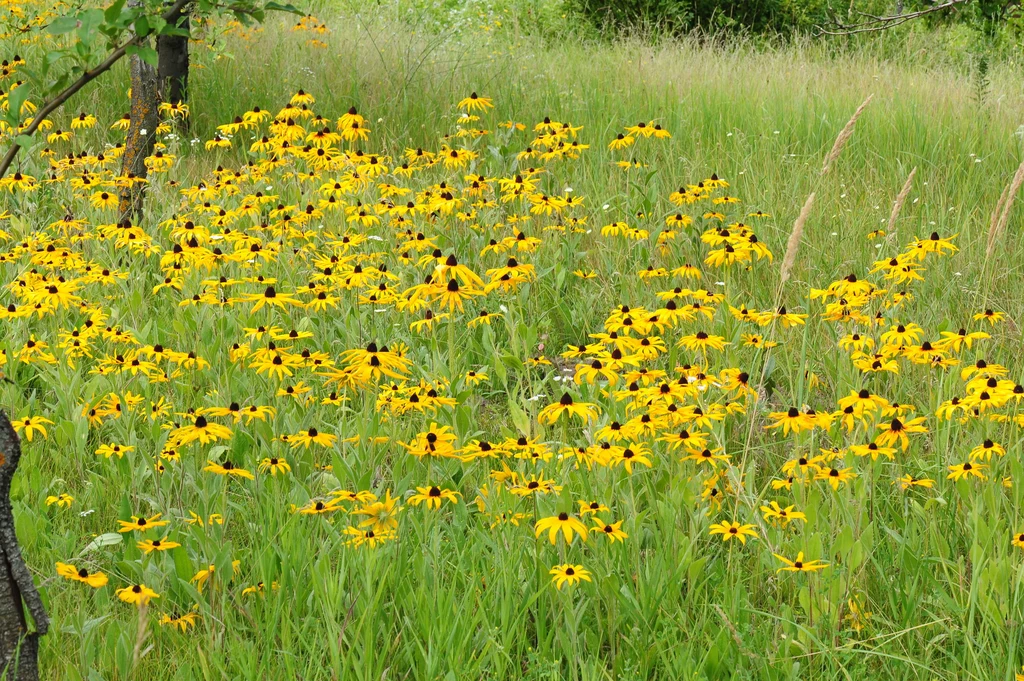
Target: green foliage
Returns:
[778, 17]
[759, 16]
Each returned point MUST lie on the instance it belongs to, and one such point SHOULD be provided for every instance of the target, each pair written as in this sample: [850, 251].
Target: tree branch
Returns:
[876, 23]
[84, 80]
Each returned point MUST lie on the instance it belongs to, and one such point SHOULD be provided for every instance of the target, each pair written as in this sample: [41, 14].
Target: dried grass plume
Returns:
[844, 136]
[793, 244]
[1001, 215]
[901, 198]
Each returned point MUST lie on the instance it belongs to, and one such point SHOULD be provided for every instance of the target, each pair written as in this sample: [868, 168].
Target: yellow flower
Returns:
[63, 500]
[182, 622]
[112, 449]
[908, 481]
[611, 530]
[966, 470]
[585, 411]
[138, 594]
[475, 103]
[775, 513]
[94, 579]
[380, 516]
[29, 425]
[227, 469]
[274, 465]
[799, 564]
[141, 523]
[730, 528]
[568, 574]
[564, 523]
[433, 496]
[835, 476]
[149, 545]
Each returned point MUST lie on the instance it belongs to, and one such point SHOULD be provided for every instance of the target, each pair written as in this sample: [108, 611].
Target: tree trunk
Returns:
[141, 136]
[172, 71]
[18, 647]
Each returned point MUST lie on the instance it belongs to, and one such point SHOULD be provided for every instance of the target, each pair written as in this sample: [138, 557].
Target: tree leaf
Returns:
[108, 539]
[282, 7]
[62, 25]
[112, 13]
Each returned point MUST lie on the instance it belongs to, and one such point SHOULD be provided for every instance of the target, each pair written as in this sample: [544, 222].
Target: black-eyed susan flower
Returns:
[834, 476]
[475, 103]
[147, 546]
[962, 471]
[29, 426]
[137, 594]
[568, 525]
[142, 523]
[568, 574]
[585, 411]
[368, 537]
[381, 516]
[93, 579]
[799, 564]
[730, 529]
[898, 431]
[62, 500]
[433, 497]
[227, 469]
[907, 481]
[775, 513]
[311, 436]
[181, 621]
[274, 465]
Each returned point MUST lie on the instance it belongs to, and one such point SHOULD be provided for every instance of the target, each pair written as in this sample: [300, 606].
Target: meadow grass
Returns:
[452, 597]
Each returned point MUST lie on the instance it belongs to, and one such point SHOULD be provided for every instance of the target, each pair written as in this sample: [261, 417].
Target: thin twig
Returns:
[877, 23]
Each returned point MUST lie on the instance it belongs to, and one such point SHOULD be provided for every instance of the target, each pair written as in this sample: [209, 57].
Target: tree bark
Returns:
[18, 647]
[141, 137]
[172, 71]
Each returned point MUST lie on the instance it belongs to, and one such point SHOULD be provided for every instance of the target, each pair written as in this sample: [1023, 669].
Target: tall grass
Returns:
[454, 600]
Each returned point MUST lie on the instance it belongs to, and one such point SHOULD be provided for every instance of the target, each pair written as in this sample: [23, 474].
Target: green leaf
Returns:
[62, 25]
[114, 11]
[145, 53]
[16, 99]
[23, 141]
[108, 539]
[282, 7]
[89, 21]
